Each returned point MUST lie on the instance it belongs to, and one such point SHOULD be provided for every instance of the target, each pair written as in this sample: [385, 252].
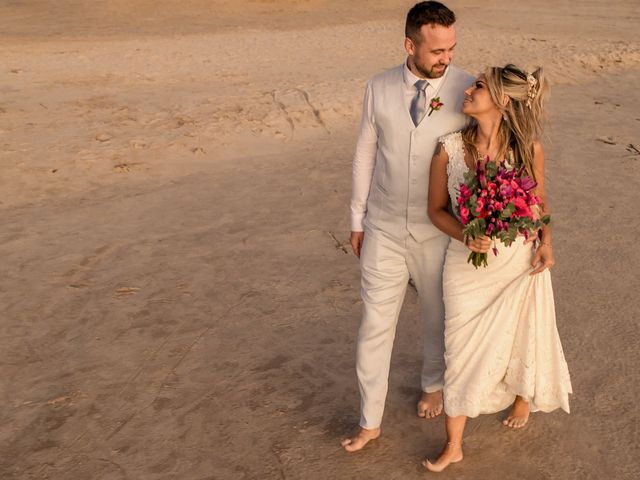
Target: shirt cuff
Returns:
[357, 222]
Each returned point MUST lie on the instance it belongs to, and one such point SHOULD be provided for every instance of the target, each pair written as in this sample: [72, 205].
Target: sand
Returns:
[178, 299]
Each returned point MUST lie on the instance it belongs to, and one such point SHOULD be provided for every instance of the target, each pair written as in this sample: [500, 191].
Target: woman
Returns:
[502, 345]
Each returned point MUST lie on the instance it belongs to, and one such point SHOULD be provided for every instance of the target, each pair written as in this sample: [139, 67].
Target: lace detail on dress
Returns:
[456, 167]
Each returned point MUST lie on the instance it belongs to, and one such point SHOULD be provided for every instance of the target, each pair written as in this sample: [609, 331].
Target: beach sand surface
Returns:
[178, 299]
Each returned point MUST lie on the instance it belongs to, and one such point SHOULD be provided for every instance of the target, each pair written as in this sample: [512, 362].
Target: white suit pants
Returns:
[387, 263]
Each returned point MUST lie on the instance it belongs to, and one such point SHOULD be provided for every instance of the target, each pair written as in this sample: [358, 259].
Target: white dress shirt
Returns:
[365, 157]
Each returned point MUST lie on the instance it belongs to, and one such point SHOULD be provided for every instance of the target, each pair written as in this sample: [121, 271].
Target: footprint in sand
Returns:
[138, 145]
[183, 120]
[297, 108]
[631, 148]
[103, 137]
[607, 140]
[126, 167]
[66, 399]
[126, 291]
[122, 168]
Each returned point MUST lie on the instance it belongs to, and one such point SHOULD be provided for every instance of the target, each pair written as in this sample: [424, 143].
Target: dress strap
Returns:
[456, 166]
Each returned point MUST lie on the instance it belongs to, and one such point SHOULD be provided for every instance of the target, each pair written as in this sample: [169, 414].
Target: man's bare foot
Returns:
[430, 405]
[360, 439]
[452, 453]
[519, 415]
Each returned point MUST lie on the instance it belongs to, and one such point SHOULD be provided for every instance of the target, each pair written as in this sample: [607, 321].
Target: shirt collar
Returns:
[410, 78]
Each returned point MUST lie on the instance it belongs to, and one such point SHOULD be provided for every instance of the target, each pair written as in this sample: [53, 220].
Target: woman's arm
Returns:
[544, 254]
[439, 196]
[438, 202]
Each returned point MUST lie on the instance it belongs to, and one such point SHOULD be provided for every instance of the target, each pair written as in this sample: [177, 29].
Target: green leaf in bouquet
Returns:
[470, 179]
[491, 169]
[525, 224]
[508, 236]
[473, 204]
[546, 219]
[481, 226]
[508, 211]
[475, 228]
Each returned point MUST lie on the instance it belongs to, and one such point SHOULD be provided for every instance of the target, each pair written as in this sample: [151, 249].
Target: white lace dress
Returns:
[501, 338]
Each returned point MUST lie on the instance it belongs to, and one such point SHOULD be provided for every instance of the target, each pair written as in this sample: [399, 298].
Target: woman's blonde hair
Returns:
[523, 115]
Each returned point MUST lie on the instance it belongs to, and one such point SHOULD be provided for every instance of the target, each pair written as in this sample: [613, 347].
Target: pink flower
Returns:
[464, 215]
[522, 209]
[434, 105]
[506, 190]
[465, 194]
[527, 183]
[497, 190]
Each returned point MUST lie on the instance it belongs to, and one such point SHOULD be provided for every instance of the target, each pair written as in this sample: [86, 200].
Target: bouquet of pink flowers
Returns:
[499, 203]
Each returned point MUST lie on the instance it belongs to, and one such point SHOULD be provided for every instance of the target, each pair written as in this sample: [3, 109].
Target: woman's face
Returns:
[477, 99]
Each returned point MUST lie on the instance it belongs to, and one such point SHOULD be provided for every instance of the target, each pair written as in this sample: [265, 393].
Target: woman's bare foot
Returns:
[430, 405]
[360, 439]
[451, 453]
[519, 415]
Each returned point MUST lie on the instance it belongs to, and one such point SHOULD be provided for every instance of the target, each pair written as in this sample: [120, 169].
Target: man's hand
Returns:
[356, 242]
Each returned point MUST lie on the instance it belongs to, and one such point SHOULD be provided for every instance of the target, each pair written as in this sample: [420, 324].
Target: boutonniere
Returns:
[434, 105]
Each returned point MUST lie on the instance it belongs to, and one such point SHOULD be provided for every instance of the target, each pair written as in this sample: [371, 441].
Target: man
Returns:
[406, 110]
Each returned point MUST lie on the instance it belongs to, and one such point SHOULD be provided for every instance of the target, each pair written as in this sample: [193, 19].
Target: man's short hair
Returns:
[427, 13]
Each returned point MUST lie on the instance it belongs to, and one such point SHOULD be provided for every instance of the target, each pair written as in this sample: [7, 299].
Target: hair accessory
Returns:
[532, 91]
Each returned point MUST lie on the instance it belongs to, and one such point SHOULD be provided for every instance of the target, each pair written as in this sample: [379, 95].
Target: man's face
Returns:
[430, 56]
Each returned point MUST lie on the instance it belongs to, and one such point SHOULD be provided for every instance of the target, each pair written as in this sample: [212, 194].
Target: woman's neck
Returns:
[487, 142]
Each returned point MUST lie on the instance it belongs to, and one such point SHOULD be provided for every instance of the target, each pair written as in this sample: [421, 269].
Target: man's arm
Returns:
[363, 164]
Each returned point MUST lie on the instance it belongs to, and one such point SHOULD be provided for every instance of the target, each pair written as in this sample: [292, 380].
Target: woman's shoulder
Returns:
[537, 147]
[538, 155]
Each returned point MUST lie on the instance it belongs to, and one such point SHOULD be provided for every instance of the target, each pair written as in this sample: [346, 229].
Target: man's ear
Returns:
[409, 46]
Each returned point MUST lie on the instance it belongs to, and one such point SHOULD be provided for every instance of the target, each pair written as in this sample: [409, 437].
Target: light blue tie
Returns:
[419, 102]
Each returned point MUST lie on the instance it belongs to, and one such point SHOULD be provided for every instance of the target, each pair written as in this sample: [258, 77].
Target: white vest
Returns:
[397, 202]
